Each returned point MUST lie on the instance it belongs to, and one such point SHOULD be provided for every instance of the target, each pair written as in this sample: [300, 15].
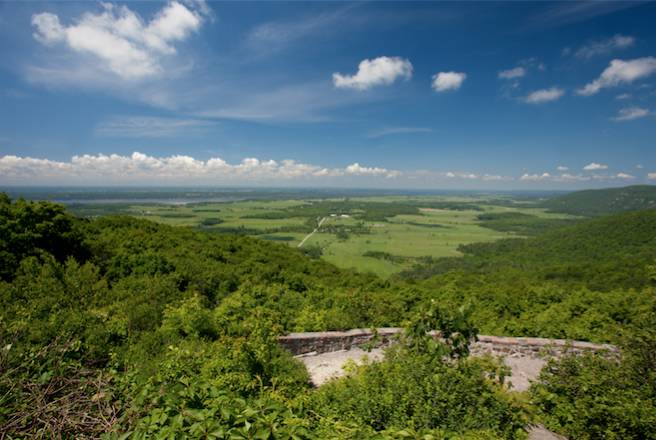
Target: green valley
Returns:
[162, 322]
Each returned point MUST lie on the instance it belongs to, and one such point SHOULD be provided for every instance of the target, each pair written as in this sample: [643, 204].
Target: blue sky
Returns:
[378, 94]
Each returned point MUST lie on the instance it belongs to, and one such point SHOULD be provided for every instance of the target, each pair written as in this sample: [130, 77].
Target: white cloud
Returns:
[630, 113]
[119, 39]
[562, 168]
[620, 72]
[494, 177]
[544, 95]
[517, 72]
[594, 166]
[624, 176]
[566, 177]
[444, 81]
[536, 177]
[605, 46]
[461, 175]
[142, 168]
[376, 72]
[49, 29]
[651, 176]
[623, 96]
[548, 177]
[358, 170]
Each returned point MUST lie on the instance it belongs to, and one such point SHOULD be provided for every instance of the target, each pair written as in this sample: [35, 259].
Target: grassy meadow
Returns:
[398, 232]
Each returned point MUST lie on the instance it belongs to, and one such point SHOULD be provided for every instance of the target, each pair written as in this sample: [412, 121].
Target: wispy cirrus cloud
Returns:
[514, 73]
[271, 37]
[604, 47]
[388, 131]
[148, 126]
[302, 103]
[620, 72]
[630, 113]
[563, 13]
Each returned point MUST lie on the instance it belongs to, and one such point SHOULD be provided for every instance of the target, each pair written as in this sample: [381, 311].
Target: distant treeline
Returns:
[520, 223]
[596, 202]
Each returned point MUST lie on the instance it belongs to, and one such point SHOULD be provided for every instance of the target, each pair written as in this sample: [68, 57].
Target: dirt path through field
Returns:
[312, 233]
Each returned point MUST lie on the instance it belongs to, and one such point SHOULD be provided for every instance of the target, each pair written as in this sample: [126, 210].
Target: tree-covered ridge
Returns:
[595, 202]
[587, 281]
[125, 326]
[600, 254]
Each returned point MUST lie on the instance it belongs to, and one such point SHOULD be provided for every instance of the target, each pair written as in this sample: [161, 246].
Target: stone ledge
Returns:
[324, 342]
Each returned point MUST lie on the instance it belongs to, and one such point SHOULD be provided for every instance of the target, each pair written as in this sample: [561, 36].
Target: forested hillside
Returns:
[116, 326]
[585, 281]
[594, 202]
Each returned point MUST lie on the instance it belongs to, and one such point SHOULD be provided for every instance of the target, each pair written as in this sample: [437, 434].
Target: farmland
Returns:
[379, 234]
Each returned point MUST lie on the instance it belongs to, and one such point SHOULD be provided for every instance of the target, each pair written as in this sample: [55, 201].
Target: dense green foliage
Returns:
[602, 254]
[596, 202]
[120, 326]
[586, 281]
[592, 396]
[153, 330]
[29, 229]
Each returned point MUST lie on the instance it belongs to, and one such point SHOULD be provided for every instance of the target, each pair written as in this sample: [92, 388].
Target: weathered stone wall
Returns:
[323, 342]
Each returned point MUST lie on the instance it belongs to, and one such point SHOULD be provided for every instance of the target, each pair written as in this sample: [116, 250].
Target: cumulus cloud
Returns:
[517, 72]
[120, 39]
[566, 177]
[544, 95]
[460, 175]
[620, 72]
[444, 81]
[603, 47]
[548, 177]
[495, 177]
[535, 177]
[651, 176]
[594, 166]
[142, 168]
[358, 170]
[376, 72]
[562, 168]
[624, 176]
[630, 113]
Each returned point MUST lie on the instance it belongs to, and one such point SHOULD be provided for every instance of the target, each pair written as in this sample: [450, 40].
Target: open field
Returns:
[379, 234]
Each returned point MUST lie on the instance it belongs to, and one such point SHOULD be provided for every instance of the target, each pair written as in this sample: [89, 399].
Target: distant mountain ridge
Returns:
[596, 202]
